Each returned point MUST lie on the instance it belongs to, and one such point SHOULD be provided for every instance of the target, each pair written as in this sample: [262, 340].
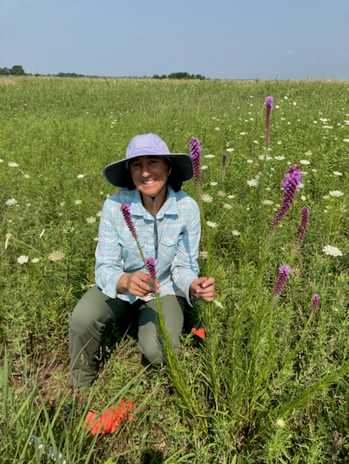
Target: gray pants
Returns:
[95, 311]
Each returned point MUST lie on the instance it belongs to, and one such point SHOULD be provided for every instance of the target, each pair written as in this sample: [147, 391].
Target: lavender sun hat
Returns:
[117, 173]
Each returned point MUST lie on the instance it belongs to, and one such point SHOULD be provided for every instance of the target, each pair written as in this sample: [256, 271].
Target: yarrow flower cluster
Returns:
[195, 152]
[56, 256]
[303, 224]
[290, 185]
[332, 251]
[11, 202]
[206, 198]
[284, 272]
[336, 193]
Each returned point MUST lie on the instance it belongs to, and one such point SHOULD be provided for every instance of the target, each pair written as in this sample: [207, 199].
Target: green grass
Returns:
[269, 383]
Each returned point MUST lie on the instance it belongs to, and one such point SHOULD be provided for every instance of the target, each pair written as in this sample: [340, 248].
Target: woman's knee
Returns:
[152, 351]
[90, 315]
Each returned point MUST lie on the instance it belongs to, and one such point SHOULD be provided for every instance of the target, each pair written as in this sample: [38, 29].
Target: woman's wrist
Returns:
[122, 286]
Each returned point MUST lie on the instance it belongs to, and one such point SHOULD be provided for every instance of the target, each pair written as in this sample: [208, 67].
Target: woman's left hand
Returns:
[203, 288]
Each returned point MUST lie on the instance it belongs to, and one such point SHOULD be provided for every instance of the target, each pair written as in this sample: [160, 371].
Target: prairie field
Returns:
[269, 383]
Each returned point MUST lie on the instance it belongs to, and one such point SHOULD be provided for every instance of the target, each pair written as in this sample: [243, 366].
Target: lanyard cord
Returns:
[156, 237]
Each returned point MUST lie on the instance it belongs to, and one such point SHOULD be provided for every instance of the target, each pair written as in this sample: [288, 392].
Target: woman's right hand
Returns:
[137, 283]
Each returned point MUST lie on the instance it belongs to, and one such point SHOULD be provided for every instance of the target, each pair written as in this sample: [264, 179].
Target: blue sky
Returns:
[246, 39]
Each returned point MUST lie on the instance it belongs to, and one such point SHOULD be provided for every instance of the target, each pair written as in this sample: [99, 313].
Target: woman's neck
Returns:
[160, 198]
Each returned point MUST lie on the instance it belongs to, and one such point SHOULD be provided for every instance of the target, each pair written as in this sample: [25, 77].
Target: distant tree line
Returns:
[14, 71]
[19, 71]
[179, 75]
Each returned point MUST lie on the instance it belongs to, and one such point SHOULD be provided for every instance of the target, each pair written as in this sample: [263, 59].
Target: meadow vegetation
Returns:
[269, 383]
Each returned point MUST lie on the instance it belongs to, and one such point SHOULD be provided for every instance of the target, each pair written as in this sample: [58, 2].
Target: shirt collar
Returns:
[168, 208]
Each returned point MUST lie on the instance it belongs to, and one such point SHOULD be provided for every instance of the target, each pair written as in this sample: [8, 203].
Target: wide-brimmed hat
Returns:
[118, 173]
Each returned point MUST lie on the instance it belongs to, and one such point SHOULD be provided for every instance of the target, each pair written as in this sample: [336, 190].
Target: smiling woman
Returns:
[166, 222]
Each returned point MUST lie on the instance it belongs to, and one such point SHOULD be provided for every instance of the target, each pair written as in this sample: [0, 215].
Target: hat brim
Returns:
[118, 174]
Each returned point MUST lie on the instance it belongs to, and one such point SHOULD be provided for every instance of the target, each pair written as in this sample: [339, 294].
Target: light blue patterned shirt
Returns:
[178, 223]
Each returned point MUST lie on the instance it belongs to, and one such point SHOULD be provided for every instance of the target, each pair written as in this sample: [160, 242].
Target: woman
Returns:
[167, 222]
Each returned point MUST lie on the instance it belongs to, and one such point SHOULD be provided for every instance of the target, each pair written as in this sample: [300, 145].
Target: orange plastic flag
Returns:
[200, 333]
[109, 421]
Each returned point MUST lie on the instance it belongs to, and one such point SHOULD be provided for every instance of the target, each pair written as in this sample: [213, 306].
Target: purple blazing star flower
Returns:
[284, 272]
[224, 161]
[269, 102]
[150, 264]
[290, 185]
[269, 105]
[125, 209]
[315, 302]
[303, 224]
[195, 152]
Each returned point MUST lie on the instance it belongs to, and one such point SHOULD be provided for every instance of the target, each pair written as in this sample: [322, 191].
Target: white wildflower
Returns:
[267, 202]
[13, 164]
[203, 254]
[231, 197]
[346, 140]
[35, 260]
[80, 176]
[303, 197]
[336, 193]
[230, 150]
[304, 162]
[99, 214]
[227, 206]
[217, 129]
[26, 176]
[249, 161]
[243, 133]
[211, 224]
[91, 220]
[8, 236]
[280, 423]
[221, 194]
[203, 168]
[96, 239]
[56, 256]
[236, 233]
[1, 160]
[213, 184]
[209, 156]
[78, 202]
[22, 259]
[206, 198]
[11, 202]
[253, 182]
[332, 251]
[279, 158]
[337, 173]
[218, 303]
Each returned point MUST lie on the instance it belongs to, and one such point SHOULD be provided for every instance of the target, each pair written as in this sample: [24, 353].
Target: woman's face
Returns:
[149, 174]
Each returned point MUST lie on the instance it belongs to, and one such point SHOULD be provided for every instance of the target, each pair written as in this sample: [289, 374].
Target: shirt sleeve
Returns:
[185, 267]
[109, 264]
